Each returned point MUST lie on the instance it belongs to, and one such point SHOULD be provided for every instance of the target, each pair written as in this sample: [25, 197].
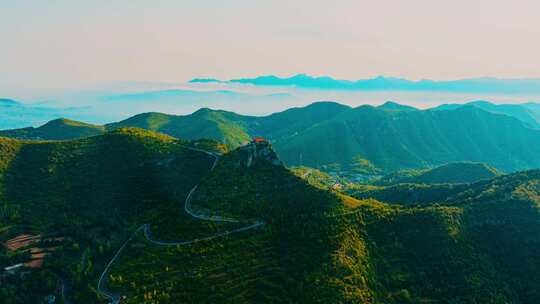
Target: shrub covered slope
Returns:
[324, 247]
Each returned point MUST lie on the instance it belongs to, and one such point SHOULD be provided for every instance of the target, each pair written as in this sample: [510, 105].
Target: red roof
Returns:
[258, 139]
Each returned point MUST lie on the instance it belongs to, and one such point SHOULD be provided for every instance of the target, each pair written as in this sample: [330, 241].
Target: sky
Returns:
[53, 45]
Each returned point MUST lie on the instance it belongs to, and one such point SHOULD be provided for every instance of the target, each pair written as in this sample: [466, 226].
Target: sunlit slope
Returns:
[226, 127]
[484, 248]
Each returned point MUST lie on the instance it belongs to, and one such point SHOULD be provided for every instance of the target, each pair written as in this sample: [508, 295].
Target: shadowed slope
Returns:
[93, 192]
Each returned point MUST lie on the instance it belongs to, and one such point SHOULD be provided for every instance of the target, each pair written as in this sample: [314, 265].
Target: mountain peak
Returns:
[203, 111]
[209, 111]
[394, 106]
[326, 104]
[481, 103]
[59, 122]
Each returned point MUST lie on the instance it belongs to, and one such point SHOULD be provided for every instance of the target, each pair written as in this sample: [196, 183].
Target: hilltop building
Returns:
[257, 140]
[260, 149]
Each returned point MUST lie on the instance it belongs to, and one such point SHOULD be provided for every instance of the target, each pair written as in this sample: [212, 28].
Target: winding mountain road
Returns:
[115, 297]
[63, 292]
[308, 172]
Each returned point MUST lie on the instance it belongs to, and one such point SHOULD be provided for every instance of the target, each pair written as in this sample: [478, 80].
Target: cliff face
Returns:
[261, 151]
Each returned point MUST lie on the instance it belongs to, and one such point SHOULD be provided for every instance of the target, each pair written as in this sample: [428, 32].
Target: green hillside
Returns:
[367, 140]
[408, 194]
[357, 142]
[528, 113]
[323, 247]
[58, 129]
[283, 261]
[452, 173]
[446, 194]
[286, 125]
[471, 243]
[226, 127]
[413, 139]
[534, 109]
[93, 192]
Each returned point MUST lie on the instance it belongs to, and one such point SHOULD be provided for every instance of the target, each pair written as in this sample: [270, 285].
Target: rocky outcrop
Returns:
[261, 151]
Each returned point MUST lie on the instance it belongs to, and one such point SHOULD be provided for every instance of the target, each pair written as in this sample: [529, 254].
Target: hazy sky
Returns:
[53, 44]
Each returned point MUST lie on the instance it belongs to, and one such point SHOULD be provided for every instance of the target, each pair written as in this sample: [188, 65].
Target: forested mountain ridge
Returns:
[226, 127]
[505, 186]
[91, 193]
[451, 173]
[413, 139]
[363, 140]
[528, 113]
[324, 247]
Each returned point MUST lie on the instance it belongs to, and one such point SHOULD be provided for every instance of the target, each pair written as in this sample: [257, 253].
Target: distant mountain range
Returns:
[473, 85]
[361, 140]
[106, 106]
[15, 114]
